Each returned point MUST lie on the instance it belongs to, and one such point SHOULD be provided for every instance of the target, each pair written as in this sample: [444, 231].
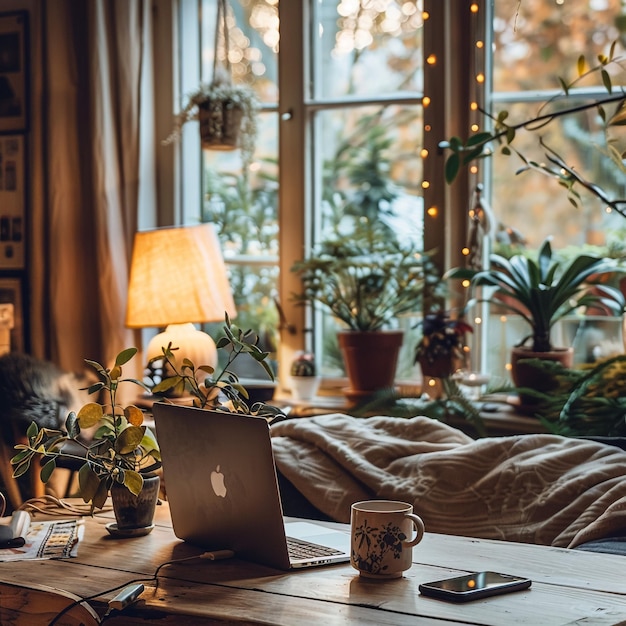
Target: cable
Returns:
[213, 556]
[49, 505]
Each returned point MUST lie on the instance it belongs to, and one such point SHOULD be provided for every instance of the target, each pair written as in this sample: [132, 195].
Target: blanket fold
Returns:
[542, 489]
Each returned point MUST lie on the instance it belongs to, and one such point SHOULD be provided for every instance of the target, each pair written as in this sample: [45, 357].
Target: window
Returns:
[356, 97]
[359, 156]
[535, 43]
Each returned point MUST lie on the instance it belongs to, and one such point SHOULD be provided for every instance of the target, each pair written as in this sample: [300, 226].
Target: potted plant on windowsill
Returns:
[366, 280]
[542, 292]
[441, 349]
[303, 377]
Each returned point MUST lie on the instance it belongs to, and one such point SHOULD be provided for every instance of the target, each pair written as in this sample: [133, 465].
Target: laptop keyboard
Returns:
[299, 549]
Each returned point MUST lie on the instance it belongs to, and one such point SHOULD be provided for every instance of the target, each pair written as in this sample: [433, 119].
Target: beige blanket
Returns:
[540, 489]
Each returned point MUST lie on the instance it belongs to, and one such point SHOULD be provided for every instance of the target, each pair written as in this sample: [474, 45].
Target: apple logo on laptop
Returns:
[217, 482]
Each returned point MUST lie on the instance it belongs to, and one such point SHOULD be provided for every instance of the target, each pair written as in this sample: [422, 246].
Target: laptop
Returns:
[222, 490]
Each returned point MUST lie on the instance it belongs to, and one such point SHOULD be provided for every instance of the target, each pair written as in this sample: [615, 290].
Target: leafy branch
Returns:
[478, 146]
[208, 388]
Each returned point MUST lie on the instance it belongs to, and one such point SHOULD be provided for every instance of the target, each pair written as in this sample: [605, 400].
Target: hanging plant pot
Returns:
[220, 123]
[227, 112]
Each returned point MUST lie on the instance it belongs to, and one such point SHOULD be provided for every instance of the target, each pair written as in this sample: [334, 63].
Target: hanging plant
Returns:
[227, 112]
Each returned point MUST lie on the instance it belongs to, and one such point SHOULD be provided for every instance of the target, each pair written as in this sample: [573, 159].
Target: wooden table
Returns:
[569, 587]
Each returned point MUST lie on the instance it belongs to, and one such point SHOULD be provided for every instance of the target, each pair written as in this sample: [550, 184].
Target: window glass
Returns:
[366, 48]
[535, 44]
[366, 68]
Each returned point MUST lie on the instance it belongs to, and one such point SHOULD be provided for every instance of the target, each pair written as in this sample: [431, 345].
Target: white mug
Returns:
[380, 531]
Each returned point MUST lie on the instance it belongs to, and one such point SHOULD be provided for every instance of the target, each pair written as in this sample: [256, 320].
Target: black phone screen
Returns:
[474, 586]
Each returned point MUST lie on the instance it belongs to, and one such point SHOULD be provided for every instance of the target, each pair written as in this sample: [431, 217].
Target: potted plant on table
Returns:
[367, 280]
[542, 292]
[123, 455]
[120, 460]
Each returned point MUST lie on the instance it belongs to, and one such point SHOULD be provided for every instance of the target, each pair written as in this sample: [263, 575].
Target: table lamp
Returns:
[178, 279]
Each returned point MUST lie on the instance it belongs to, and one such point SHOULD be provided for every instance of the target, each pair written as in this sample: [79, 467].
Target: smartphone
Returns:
[474, 586]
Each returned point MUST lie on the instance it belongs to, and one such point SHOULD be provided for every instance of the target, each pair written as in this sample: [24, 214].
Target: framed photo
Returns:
[13, 72]
[11, 293]
[12, 200]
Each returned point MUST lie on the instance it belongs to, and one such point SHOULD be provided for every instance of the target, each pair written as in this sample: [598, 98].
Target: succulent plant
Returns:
[303, 365]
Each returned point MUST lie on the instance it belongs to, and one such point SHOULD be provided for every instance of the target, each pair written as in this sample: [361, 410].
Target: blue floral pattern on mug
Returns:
[378, 543]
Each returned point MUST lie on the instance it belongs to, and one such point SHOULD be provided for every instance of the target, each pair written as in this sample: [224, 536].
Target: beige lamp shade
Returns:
[177, 276]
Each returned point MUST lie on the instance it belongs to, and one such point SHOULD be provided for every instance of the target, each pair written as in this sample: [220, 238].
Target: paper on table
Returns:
[48, 540]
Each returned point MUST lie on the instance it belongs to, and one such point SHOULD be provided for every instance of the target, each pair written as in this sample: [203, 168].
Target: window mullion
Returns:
[292, 174]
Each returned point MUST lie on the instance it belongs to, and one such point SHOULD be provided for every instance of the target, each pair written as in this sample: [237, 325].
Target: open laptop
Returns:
[222, 490]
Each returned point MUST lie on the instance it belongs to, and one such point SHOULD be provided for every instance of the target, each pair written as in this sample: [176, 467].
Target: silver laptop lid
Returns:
[220, 482]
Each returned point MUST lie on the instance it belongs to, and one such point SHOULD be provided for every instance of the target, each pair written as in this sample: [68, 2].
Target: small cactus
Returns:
[303, 365]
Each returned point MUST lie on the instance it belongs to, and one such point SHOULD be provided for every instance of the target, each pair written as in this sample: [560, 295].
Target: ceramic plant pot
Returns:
[525, 375]
[371, 360]
[304, 387]
[133, 511]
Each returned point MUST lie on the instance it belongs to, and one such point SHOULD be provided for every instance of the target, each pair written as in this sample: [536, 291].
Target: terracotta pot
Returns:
[370, 359]
[525, 375]
[441, 367]
[133, 511]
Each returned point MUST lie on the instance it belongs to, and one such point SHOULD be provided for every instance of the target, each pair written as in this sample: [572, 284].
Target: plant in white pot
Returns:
[303, 377]
[366, 280]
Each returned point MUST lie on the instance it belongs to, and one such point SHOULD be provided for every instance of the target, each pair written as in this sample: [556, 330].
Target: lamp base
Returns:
[192, 344]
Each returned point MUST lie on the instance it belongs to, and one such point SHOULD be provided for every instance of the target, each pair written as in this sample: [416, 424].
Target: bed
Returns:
[541, 488]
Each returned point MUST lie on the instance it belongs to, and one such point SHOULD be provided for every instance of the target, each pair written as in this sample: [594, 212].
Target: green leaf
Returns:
[606, 81]
[452, 168]
[125, 355]
[21, 469]
[71, 425]
[167, 384]
[47, 469]
[32, 431]
[95, 387]
[100, 496]
[101, 370]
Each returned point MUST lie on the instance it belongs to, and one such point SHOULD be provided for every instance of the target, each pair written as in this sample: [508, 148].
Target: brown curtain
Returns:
[93, 172]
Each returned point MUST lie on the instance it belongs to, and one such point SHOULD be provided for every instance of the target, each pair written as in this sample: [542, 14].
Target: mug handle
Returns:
[419, 530]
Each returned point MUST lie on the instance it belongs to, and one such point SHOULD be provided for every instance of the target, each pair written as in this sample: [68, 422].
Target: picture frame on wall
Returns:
[12, 202]
[14, 72]
[11, 293]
